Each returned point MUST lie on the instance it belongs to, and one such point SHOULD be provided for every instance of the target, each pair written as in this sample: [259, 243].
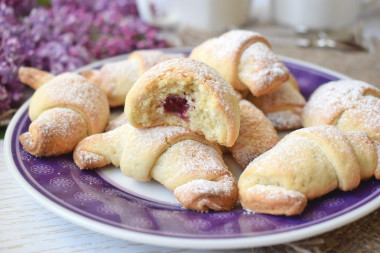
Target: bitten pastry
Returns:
[256, 136]
[304, 165]
[117, 78]
[245, 60]
[283, 107]
[181, 160]
[186, 93]
[348, 104]
[63, 111]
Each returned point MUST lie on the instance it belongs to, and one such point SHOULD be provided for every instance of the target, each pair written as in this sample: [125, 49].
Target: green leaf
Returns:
[43, 2]
[2, 132]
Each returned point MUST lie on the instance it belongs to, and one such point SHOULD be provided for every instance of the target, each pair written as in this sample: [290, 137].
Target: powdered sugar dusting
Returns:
[230, 42]
[75, 91]
[87, 158]
[368, 112]
[299, 142]
[54, 132]
[127, 68]
[285, 119]
[272, 192]
[332, 98]
[59, 121]
[208, 182]
[207, 187]
[285, 161]
[156, 136]
[196, 156]
[259, 65]
[332, 134]
[62, 89]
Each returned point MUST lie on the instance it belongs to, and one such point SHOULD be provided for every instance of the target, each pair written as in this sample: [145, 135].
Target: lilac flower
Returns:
[12, 55]
[64, 36]
[5, 99]
[20, 7]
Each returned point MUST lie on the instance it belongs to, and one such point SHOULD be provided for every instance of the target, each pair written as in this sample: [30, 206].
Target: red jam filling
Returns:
[177, 105]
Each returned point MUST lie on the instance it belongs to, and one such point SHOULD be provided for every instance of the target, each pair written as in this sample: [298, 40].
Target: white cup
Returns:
[317, 14]
[203, 15]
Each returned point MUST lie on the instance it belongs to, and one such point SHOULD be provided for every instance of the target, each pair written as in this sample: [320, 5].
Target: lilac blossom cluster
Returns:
[63, 36]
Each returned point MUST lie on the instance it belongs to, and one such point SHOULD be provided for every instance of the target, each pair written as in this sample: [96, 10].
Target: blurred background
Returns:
[62, 35]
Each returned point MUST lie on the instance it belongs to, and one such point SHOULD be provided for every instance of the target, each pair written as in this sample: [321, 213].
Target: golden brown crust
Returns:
[256, 136]
[339, 152]
[117, 78]
[148, 58]
[147, 144]
[99, 150]
[134, 150]
[227, 52]
[33, 77]
[312, 161]
[377, 171]
[63, 111]
[223, 53]
[197, 175]
[212, 104]
[350, 105]
[274, 200]
[366, 152]
[283, 107]
[261, 70]
[204, 195]
[174, 156]
[55, 132]
[91, 74]
[72, 91]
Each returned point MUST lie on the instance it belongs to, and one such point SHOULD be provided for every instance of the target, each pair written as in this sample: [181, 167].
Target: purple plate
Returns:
[94, 200]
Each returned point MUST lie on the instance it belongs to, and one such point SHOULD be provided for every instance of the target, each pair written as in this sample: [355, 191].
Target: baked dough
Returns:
[307, 164]
[350, 105]
[63, 111]
[117, 78]
[283, 107]
[181, 160]
[187, 93]
[256, 136]
[33, 77]
[245, 60]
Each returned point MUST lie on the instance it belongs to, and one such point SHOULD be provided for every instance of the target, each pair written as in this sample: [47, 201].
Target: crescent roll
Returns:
[186, 93]
[181, 160]
[304, 165]
[63, 111]
[117, 78]
[348, 104]
[283, 107]
[245, 60]
[256, 136]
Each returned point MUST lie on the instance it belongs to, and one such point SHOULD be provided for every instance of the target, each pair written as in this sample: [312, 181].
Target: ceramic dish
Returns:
[106, 202]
